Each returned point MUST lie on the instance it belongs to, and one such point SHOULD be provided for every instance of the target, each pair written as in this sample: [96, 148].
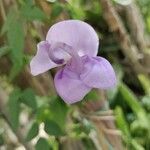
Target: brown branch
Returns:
[18, 133]
[136, 25]
[3, 13]
[111, 134]
[104, 122]
[117, 27]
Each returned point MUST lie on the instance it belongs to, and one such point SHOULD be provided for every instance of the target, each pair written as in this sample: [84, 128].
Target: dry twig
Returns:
[117, 27]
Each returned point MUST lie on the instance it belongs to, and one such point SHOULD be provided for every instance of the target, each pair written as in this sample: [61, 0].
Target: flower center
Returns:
[61, 53]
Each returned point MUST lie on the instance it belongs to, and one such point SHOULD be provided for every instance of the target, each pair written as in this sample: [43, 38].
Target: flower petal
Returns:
[41, 61]
[98, 73]
[69, 86]
[78, 34]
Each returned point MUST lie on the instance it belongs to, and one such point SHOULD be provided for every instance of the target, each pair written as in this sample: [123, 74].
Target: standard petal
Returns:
[69, 86]
[98, 73]
[41, 61]
[78, 34]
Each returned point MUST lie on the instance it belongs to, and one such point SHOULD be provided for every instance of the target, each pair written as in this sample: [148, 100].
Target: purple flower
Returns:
[73, 43]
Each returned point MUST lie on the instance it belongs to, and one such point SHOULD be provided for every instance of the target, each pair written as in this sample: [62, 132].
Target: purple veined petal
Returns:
[41, 62]
[98, 73]
[69, 86]
[78, 34]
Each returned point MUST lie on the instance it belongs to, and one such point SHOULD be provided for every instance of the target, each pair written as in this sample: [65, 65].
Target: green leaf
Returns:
[32, 13]
[146, 102]
[28, 98]
[42, 144]
[121, 122]
[10, 17]
[52, 128]
[14, 108]
[16, 68]
[13, 27]
[131, 99]
[134, 104]
[136, 145]
[76, 9]
[91, 96]
[29, 2]
[16, 43]
[145, 82]
[60, 114]
[56, 10]
[123, 126]
[33, 131]
[4, 50]
[1, 140]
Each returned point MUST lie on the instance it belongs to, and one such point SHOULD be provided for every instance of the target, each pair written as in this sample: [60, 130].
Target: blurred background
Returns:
[32, 116]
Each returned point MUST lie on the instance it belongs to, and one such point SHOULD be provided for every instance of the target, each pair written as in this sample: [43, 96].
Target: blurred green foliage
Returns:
[132, 108]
